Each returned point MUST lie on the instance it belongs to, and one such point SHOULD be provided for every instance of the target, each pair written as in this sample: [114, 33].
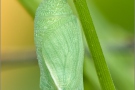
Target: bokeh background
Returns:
[114, 23]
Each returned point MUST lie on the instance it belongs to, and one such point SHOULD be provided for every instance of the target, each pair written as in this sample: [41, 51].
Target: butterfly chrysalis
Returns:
[59, 46]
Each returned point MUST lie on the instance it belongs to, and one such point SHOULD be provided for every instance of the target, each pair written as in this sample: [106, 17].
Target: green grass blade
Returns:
[94, 45]
[30, 6]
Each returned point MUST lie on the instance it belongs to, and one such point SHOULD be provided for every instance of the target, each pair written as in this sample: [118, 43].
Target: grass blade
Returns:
[30, 6]
[94, 45]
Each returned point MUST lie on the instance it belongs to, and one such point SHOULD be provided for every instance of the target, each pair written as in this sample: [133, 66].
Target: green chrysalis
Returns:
[59, 46]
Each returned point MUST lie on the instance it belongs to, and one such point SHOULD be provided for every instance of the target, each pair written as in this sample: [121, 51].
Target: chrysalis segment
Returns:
[59, 46]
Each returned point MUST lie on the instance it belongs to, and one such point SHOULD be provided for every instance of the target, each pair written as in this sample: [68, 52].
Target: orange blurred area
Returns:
[17, 45]
[17, 30]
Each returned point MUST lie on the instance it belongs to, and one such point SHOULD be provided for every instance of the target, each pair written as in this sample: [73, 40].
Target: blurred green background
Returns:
[114, 23]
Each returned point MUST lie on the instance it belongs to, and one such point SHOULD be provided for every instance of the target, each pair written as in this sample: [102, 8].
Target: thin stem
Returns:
[94, 45]
[30, 5]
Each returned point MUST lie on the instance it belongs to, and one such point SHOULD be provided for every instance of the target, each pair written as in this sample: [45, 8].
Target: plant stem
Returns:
[30, 5]
[94, 45]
